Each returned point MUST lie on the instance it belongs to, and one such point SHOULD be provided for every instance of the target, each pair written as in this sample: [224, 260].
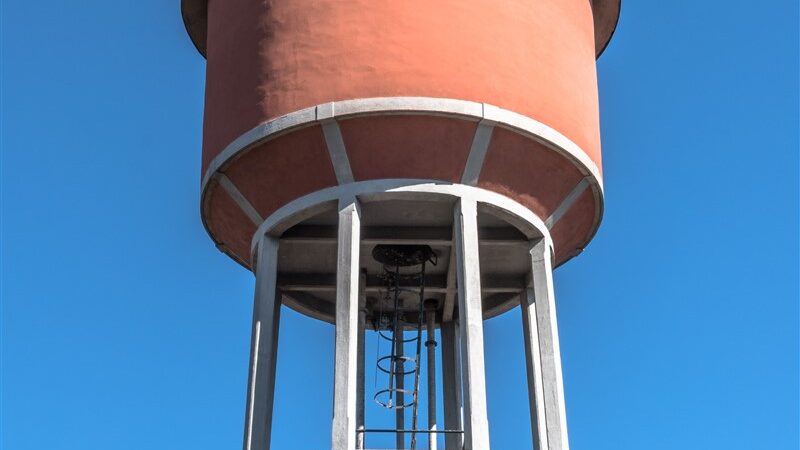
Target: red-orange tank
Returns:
[408, 84]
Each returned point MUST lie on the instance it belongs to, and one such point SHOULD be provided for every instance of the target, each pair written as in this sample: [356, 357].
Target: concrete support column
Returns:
[362, 322]
[346, 346]
[533, 366]
[263, 348]
[468, 275]
[451, 384]
[541, 335]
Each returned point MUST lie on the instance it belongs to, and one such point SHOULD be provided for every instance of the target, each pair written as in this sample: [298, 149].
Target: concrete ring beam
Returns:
[453, 109]
[421, 106]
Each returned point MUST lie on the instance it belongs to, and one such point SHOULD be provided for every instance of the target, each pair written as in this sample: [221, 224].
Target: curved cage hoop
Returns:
[390, 391]
[395, 359]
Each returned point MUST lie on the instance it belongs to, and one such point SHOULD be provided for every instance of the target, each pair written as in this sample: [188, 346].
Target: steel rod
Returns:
[400, 413]
[398, 336]
[430, 317]
[418, 352]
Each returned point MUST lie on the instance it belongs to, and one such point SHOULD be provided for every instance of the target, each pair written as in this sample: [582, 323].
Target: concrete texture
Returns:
[343, 436]
[533, 366]
[476, 422]
[263, 349]
[555, 416]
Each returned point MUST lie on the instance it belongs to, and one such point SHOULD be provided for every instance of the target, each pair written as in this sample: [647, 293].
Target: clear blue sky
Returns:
[124, 328]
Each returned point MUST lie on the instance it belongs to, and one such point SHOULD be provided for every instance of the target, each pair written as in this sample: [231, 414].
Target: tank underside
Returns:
[308, 260]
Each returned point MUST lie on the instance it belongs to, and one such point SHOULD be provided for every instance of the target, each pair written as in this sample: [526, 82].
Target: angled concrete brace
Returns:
[263, 348]
[343, 436]
[476, 423]
[240, 200]
[477, 152]
[567, 203]
[337, 151]
[541, 337]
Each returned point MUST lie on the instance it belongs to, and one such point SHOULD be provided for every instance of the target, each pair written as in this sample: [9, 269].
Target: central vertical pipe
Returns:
[399, 368]
[362, 321]
[400, 440]
[430, 318]
[451, 383]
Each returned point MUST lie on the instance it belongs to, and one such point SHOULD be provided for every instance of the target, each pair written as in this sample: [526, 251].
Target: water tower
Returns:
[394, 167]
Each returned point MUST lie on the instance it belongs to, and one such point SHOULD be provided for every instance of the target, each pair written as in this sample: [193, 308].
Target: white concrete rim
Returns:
[388, 189]
[383, 106]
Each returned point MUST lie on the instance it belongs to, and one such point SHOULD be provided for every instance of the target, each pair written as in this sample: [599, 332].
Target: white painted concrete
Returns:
[567, 203]
[403, 189]
[240, 200]
[460, 109]
[549, 349]
[343, 436]
[533, 365]
[468, 356]
[337, 151]
[476, 423]
[263, 348]
[477, 153]
[445, 107]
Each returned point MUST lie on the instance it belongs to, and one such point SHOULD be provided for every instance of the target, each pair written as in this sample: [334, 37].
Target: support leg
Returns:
[550, 354]
[346, 347]
[263, 348]
[476, 424]
[533, 365]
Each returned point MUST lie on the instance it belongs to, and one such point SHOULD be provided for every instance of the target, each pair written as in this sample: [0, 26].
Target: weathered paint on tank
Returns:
[267, 59]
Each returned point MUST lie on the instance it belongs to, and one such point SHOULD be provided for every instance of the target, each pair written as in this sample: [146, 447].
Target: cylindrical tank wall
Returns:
[267, 59]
